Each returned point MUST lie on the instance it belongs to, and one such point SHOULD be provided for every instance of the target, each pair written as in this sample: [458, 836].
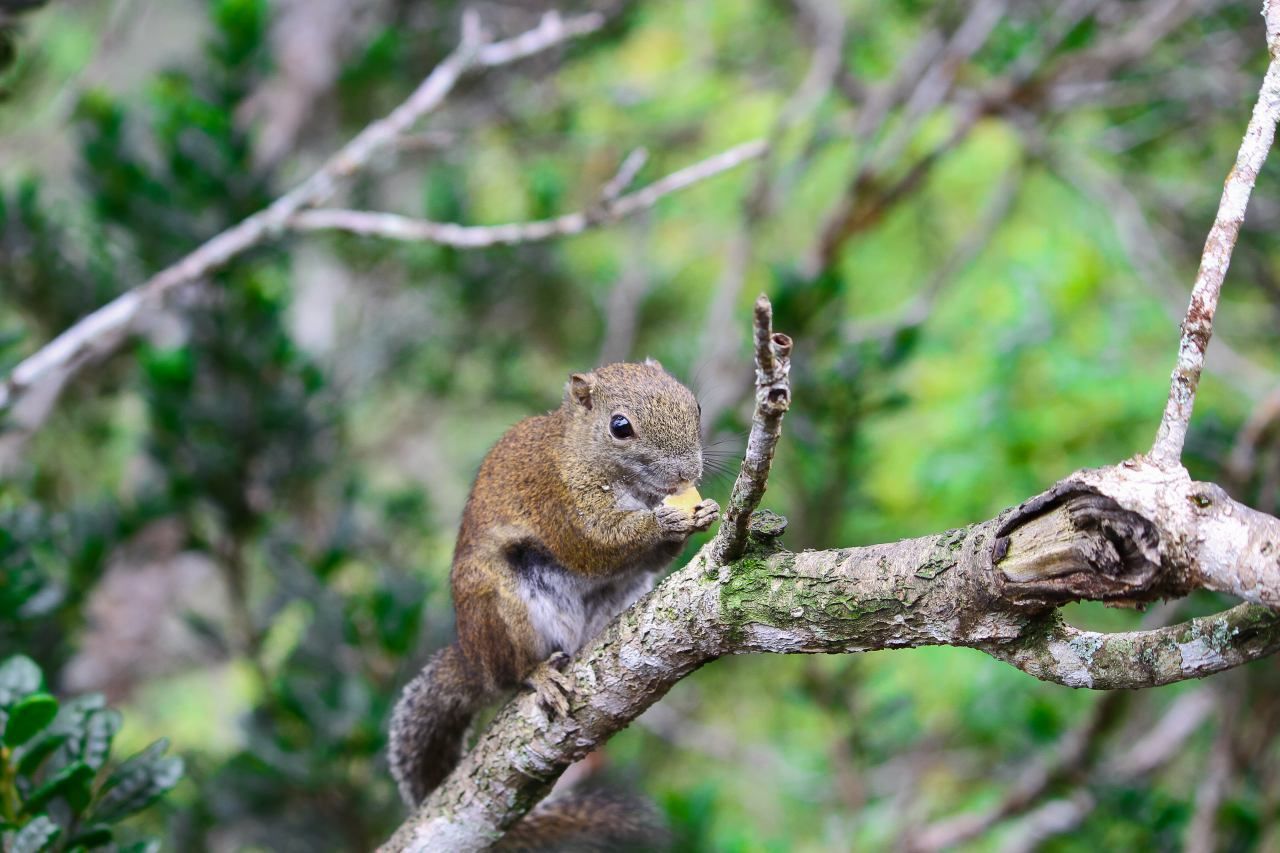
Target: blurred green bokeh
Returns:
[240, 527]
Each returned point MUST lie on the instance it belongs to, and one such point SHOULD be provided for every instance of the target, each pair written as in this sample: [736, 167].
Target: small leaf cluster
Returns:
[57, 789]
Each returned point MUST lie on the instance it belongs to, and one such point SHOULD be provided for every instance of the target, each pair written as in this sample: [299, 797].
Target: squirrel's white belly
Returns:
[566, 610]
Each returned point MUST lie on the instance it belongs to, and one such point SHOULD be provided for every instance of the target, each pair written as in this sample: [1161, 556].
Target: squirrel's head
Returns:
[638, 426]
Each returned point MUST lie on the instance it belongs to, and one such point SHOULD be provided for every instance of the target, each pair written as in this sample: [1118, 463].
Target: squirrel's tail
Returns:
[597, 821]
[430, 721]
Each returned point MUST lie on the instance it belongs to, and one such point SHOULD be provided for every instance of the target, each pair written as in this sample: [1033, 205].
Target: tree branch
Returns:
[106, 329]
[1055, 651]
[773, 398]
[988, 586]
[1197, 327]
[393, 226]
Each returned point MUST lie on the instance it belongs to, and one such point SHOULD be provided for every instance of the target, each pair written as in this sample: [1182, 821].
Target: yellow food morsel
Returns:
[687, 499]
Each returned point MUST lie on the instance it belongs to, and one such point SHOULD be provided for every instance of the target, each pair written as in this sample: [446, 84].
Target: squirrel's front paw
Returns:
[552, 686]
[674, 520]
[677, 521]
[705, 514]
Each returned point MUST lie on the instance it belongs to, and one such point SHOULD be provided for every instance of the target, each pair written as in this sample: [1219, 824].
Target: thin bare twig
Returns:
[971, 245]
[773, 398]
[1197, 327]
[105, 330]
[393, 226]
[1215, 785]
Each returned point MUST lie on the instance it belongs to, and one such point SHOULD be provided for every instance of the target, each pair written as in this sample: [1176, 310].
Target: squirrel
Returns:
[565, 527]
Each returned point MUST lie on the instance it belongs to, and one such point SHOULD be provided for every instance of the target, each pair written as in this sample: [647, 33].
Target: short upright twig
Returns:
[773, 398]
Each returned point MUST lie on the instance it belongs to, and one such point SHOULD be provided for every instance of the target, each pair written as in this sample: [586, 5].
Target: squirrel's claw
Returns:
[552, 686]
[705, 514]
[674, 520]
[681, 522]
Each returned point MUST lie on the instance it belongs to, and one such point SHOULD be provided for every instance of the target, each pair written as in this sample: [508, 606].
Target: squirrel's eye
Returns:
[620, 427]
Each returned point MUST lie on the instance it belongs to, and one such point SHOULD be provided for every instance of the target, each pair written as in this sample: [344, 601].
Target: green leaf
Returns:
[102, 727]
[28, 717]
[19, 677]
[37, 835]
[72, 723]
[30, 756]
[69, 780]
[91, 837]
[150, 846]
[138, 782]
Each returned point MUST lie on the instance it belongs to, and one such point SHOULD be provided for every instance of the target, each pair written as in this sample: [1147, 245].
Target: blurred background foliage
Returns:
[980, 227]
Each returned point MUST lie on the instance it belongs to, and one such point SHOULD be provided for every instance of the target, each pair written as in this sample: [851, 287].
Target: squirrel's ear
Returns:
[653, 362]
[580, 385]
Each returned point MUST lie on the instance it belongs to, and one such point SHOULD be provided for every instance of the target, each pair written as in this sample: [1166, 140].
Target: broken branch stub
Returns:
[1072, 543]
[1133, 533]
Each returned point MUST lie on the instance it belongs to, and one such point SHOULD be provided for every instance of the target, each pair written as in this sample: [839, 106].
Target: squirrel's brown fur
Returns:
[564, 528]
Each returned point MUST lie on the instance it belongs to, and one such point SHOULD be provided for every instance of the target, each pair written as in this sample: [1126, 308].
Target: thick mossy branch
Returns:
[1126, 533]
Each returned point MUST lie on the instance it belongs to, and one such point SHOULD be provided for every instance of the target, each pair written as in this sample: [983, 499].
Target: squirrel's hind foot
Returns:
[554, 688]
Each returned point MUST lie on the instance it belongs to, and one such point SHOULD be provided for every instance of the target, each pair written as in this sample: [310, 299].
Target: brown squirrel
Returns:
[565, 527]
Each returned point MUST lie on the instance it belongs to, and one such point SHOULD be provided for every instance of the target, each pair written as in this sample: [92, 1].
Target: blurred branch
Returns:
[1162, 744]
[396, 227]
[1150, 256]
[1217, 780]
[971, 245]
[1033, 85]
[1260, 423]
[1056, 817]
[932, 85]
[622, 309]
[1197, 327]
[1074, 760]
[1073, 752]
[105, 330]
[721, 356]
